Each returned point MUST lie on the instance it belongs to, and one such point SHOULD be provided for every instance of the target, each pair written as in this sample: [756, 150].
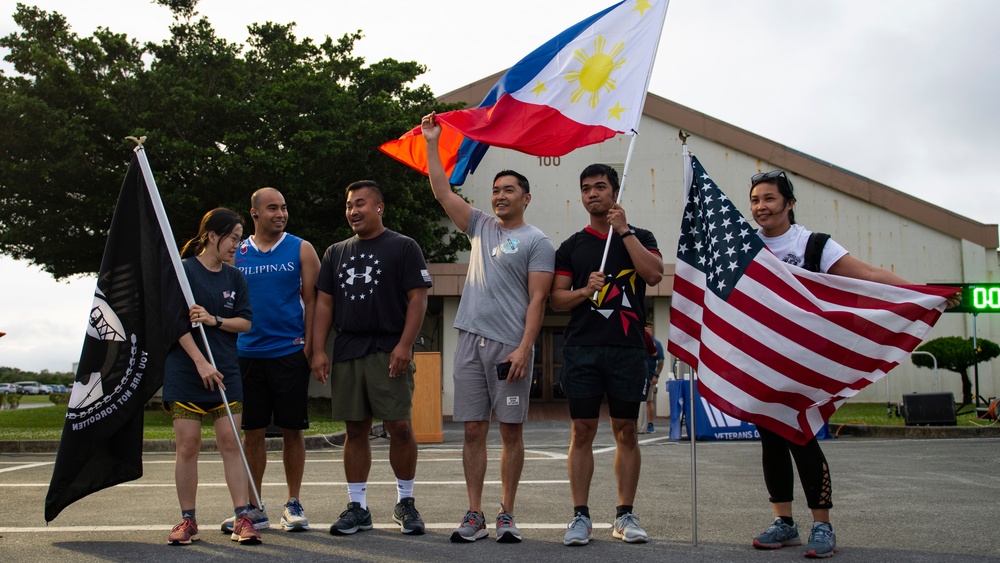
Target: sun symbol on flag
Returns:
[595, 73]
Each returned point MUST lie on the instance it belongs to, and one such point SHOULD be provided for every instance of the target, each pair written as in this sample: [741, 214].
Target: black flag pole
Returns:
[175, 258]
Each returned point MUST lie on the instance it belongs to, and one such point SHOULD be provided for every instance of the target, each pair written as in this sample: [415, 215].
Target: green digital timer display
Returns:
[977, 298]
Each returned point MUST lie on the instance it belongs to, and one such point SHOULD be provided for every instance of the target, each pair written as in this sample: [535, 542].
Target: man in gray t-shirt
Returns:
[499, 316]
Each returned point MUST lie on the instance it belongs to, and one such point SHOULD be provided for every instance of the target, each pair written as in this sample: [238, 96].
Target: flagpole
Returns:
[175, 260]
[688, 181]
[621, 190]
[635, 134]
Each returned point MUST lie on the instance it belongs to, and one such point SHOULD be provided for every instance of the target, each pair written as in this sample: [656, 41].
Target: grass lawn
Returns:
[875, 414]
[47, 423]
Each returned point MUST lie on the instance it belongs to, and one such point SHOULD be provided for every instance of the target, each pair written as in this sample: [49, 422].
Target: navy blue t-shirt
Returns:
[223, 293]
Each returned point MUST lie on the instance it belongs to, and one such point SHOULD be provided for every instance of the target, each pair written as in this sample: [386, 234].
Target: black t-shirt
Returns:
[368, 280]
[618, 317]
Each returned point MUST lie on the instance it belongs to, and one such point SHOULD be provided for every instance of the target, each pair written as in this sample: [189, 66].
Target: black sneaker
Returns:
[351, 520]
[406, 515]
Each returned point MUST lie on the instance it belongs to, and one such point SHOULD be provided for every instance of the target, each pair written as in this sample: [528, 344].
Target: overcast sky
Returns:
[902, 92]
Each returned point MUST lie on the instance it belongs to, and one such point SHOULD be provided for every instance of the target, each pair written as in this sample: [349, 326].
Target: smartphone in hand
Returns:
[503, 370]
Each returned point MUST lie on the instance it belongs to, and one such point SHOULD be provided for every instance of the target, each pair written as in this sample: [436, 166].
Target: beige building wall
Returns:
[877, 224]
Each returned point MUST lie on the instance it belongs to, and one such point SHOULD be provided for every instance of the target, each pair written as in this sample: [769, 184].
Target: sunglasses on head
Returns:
[763, 176]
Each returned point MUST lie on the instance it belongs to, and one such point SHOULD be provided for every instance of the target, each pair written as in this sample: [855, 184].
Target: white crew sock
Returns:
[358, 492]
[404, 489]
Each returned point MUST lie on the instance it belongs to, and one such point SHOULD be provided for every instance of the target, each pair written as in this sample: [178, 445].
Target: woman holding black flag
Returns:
[190, 379]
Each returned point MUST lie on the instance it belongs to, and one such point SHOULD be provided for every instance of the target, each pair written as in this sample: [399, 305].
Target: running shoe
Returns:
[293, 516]
[244, 532]
[507, 531]
[405, 514]
[822, 541]
[580, 531]
[257, 515]
[778, 535]
[352, 520]
[472, 528]
[183, 533]
[627, 529]
[650, 429]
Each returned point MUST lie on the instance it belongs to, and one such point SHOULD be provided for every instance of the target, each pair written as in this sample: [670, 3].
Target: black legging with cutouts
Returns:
[814, 473]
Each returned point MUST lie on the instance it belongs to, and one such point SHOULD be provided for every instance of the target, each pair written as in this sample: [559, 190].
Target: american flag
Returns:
[774, 344]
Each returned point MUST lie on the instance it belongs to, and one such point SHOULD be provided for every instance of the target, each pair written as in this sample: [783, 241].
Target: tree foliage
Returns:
[221, 120]
[957, 354]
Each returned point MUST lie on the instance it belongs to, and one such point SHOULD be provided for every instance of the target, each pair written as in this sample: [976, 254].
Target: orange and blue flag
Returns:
[583, 86]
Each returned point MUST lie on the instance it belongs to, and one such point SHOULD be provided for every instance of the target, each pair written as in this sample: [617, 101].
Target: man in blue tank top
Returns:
[281, 271]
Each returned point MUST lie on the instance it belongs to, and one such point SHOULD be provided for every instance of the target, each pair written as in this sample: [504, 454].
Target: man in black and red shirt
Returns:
[605, 351]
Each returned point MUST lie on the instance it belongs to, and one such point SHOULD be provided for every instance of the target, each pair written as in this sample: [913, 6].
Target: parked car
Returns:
[59, 389]
[46, 389]
[6, 388]
[29, 387]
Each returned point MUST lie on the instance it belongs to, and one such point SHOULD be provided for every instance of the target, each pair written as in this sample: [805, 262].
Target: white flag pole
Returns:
[688, 181]
[635, 133]
[175, 260]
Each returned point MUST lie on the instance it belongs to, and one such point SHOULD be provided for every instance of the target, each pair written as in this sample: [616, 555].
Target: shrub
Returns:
[59, 398]
[11, 400]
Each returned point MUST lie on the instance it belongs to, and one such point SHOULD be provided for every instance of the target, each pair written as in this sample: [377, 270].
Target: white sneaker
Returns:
[293, 517]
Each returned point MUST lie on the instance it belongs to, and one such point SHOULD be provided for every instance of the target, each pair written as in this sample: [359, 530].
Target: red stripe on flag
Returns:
[774, 425]
[844, 319]
[762, 390]
[770, 355]
[534, 129]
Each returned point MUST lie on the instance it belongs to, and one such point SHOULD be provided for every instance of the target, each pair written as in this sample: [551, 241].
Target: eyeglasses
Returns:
[758, 178]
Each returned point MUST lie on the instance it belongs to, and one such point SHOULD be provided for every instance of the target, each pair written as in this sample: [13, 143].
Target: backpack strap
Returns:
[814, 251]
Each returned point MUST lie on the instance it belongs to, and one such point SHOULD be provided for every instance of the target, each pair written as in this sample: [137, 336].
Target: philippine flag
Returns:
[583, 86]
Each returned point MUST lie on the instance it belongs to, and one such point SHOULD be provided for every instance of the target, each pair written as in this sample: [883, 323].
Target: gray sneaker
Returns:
[352, 520]
[627, 529]
[405, 514]
[507, 531]
[822, 541]
[580, 531]
[472, 528]
[257, 515]
[778, 535]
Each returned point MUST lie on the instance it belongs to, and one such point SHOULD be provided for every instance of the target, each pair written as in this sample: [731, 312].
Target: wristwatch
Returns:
[218, 321]
[628, 233]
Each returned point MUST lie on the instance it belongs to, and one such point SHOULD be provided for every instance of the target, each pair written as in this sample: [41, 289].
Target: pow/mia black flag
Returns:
[139, 311]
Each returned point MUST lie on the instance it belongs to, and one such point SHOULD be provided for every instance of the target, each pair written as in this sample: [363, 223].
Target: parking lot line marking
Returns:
[542, 456]
[305, 484]
[314, 527]
[26, 466]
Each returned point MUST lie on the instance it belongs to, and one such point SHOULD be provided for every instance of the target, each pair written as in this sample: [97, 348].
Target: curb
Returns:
[915, 432]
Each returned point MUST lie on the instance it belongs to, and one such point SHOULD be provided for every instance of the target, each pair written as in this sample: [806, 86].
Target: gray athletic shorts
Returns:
[478, 392]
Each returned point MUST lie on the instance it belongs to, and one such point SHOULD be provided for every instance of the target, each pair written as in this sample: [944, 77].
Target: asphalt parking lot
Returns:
[895, 500]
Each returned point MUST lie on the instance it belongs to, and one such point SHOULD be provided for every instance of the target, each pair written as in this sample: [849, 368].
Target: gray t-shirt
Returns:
[495, 298]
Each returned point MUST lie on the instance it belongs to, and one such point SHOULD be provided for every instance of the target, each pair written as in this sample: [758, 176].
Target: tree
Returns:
[221, 120]
[957, 354]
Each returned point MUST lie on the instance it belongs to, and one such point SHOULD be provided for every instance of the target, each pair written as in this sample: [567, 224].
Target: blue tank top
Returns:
[275, 281]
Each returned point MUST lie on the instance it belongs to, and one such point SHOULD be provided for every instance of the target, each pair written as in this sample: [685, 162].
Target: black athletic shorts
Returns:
[276, 388]
[591, 372]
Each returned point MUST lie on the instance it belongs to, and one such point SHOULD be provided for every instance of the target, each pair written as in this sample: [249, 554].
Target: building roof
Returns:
[707, 127]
